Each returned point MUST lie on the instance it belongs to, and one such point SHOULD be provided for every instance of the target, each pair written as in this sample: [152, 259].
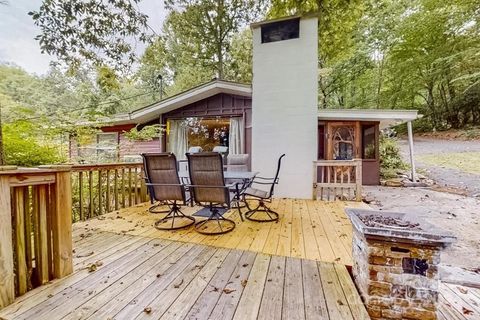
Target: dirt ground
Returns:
[458, 214]
[444, 173]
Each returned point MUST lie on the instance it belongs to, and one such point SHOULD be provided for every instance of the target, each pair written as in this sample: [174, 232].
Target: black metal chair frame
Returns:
[174, 211]
[214, 207]
[262, 207]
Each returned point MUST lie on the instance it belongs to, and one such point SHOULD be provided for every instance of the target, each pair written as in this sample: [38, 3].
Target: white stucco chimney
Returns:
[284, 103]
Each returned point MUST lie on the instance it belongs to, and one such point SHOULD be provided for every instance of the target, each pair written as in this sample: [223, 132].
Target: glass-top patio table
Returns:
[234, 175]
[246, 177]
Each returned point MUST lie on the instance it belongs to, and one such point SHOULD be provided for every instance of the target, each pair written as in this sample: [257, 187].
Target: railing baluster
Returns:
[129, 187]
[41, 245]
[107, 195]
[28, 236]
[100, 202]
[80, 195]
[90, 192]
[123, 189]
[19, 214]
[137, 186]
[115, 186]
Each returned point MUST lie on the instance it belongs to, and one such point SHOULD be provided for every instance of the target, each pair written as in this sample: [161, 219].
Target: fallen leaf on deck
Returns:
[88, 254]
[466, 311]
[92, 267]
[176, 286]
[228, 291]
[340, 302]
[147, 310]
[159, 275]
[338, 259]
[244, 283]
[245, 265]
[462, 290]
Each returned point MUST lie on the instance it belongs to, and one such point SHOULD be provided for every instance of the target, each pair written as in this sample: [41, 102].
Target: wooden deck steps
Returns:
[306, 229]
[150, 278]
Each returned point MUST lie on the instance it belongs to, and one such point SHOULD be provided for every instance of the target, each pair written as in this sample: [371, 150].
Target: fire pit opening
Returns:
[415, 266]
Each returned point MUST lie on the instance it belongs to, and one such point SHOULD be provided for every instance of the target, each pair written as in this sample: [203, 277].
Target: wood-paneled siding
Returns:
[220, 105]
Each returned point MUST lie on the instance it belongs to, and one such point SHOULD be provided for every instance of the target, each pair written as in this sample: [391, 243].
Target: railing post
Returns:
[7, 284]
[358, 179]
[315, 180]
[62, 226]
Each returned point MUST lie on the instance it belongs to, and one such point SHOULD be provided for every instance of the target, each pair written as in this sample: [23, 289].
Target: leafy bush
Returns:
[22, 148]
[390, 158]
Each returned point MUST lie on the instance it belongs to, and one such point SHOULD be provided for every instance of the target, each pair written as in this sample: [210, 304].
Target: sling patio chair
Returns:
[262, 197]
[164, 185]
[209, 190]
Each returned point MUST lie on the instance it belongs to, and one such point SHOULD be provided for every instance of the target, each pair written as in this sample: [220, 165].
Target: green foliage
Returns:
[147, 133]
[22, 147]
[390, 158]
[98, 31]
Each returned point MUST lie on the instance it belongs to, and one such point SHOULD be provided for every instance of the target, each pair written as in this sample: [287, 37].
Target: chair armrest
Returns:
[263, 178]
[164, 184]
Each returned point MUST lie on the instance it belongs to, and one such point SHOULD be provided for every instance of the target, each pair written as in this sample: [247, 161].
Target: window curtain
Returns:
[236, 136]
[177, 139]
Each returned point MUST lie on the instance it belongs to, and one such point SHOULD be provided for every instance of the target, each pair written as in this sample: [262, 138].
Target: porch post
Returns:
[410, 146]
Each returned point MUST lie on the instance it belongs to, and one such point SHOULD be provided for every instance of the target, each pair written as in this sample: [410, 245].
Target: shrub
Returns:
[22, 148]
[390, 158]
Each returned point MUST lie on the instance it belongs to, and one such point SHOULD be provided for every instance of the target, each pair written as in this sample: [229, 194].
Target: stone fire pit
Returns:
[396, 257]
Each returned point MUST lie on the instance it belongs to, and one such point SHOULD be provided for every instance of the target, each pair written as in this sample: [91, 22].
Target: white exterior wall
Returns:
[284, 109]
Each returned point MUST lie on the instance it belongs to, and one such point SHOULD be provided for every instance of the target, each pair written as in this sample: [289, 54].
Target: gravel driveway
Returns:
[442, 175]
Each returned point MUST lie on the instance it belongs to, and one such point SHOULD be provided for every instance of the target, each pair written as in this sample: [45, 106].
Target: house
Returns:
[277, 114]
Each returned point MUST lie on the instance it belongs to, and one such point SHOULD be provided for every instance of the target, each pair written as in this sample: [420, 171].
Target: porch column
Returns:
[410, 146]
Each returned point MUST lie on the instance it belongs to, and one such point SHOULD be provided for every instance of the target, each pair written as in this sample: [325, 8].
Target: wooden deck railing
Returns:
[102, 188]
[35, 229]
[337, 180]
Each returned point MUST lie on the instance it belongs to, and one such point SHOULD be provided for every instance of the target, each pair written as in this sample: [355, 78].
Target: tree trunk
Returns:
[380, 82]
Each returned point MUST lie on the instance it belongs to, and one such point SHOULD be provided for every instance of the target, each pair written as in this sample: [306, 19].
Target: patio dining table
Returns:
[245, 176]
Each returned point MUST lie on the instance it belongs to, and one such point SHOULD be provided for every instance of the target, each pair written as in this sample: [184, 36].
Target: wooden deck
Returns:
[306, 229]
[293, 269]
[138, 277]
[459, 302]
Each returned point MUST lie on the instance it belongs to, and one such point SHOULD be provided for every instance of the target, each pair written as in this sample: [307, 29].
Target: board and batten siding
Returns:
[284, 118]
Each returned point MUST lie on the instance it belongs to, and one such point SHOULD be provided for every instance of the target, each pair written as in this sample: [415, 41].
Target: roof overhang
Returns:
[180, 100]
[387, 118]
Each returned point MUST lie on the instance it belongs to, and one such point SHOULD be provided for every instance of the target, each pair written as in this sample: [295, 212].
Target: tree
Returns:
[97, 31]
[207, 27]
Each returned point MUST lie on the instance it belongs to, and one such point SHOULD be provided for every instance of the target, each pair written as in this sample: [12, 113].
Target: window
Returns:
[281, 30]
[107, 146]
[368, 142]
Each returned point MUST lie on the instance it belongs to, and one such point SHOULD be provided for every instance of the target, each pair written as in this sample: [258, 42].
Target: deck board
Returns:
[179, 280]
[293, 269]
[306, 229]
